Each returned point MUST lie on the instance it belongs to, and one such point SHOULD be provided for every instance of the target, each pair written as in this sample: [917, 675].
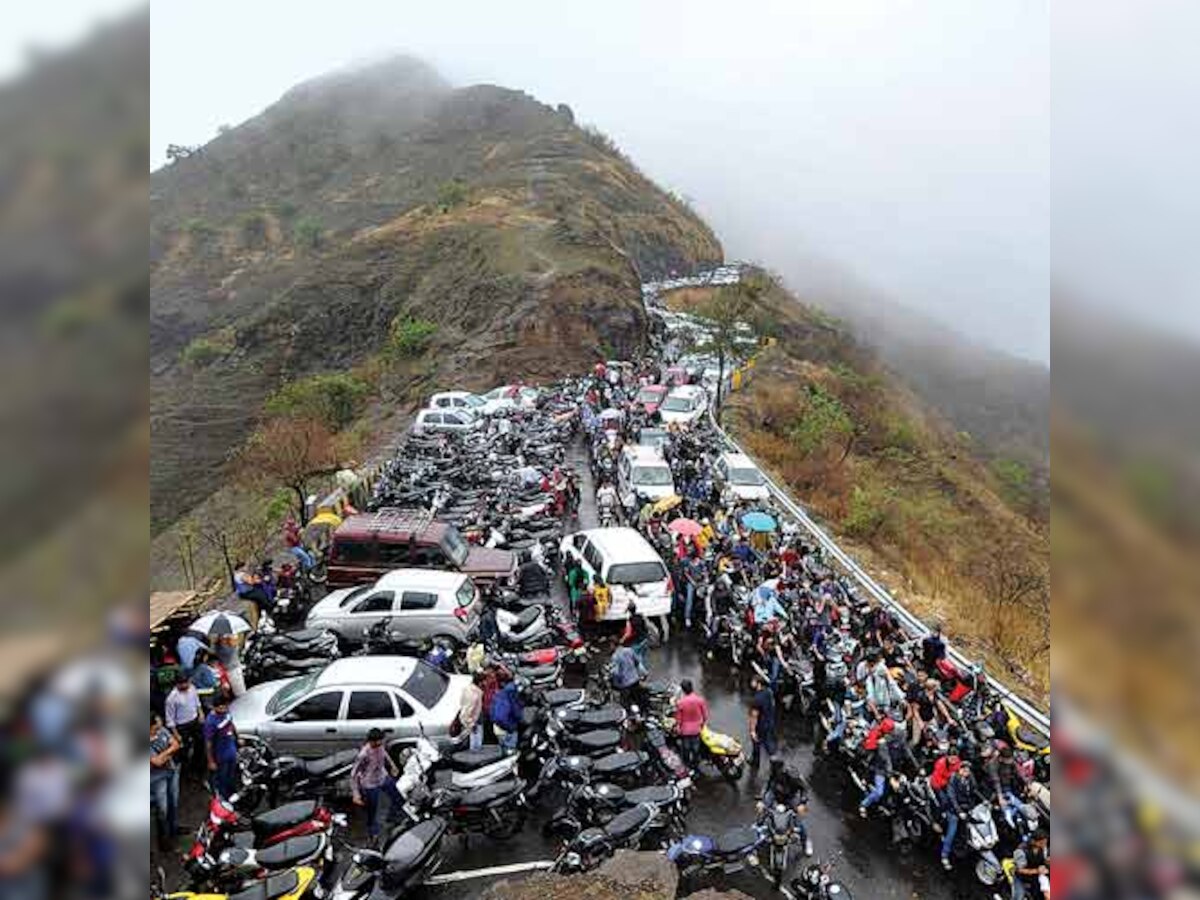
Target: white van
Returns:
[628, 564]
[643, 474]
[685, 404]
[738, 474]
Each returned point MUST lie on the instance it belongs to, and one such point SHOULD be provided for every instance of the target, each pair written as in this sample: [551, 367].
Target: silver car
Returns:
[334, 708]
[416, 603]
[431, 421]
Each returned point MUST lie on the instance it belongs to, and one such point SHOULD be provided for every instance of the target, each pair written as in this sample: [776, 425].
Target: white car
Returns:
[685, 404]
[628, 564]
[457, 401]
[509, 397]
[738, 474]
[643, 474]
[333, 709]
[416, 603]
[429, 421]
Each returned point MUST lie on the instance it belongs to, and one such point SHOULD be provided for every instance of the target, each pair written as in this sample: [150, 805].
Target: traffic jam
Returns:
[483, 653]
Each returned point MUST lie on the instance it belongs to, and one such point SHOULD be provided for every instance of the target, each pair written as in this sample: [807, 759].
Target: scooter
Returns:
[463, 769]
[982, 837]
[724, 752]
[700, 854]
[239, 866]
[592, 846]
[289, 885]
[496, 810]
[591, 805]
[407, 859]
[816, 883]
[523, 630]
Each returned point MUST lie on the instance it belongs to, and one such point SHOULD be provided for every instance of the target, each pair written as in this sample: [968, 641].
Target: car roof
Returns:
[393, 523]
[356, 670]
[738, 459]
[626, 542]
[640, 454]
[437, 579]
[451, 394]
[687, 390]
[654, 387]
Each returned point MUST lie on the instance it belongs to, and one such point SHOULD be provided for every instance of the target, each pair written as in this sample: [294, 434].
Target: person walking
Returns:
[374, 775]
[637, 634]
[221, 749]
[507, 712]
[182, 713]
[691, 715]
[627, 675]
[762, 723]
[471, 709]
[205, 680]
[164, 781]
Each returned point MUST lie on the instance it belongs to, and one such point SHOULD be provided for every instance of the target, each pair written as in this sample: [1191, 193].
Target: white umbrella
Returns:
[610, 414]
[221, 622]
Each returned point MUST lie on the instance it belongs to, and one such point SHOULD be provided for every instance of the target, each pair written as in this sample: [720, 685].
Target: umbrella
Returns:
[220, 622]
[686, 527]
[667, 503]
[758, 521]
[610, 414]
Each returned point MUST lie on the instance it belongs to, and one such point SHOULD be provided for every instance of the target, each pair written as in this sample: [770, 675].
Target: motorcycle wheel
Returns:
[732, 773]
[778, 866]
[505, 828]
[986, 871]
[318, 574]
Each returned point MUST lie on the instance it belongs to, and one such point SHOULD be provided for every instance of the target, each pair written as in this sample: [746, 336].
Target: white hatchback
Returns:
[685, 404]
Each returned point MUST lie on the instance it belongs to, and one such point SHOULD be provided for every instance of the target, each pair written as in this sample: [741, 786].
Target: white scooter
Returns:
[467, 768]
[526, 629]
[982, 837]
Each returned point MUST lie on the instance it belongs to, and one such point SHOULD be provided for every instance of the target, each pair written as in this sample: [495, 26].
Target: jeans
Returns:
[371, 800]
[191, 736]
[689, 746]
[876, 793]
[223, 780]
[951, 833]
[164, 794]
[639, 650]
[765, 742]
[1009, 804]
[773, 675]
[475, 741]
[304, 557]
[508, 739]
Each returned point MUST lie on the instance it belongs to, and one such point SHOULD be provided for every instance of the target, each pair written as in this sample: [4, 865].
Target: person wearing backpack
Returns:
[507, 712]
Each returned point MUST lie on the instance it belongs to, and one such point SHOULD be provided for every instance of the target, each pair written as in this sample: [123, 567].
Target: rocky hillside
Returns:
[381, 223]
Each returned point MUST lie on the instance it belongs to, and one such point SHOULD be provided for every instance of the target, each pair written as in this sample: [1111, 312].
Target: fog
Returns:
[903, 144]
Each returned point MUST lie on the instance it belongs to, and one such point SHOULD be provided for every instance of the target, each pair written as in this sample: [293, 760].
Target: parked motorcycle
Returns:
[723, 752]
[701, 854]
[267, 775]
[592, 846]
[405, 861]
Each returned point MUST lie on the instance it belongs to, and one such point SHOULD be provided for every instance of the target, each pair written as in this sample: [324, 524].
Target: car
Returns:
[457, 401]
[685, 404]
[650, 397]
[628, 564]
[509, 397]
[333, 708]
[643, 474]
[416, 603]
[738, 474]
[653, 437]
[366, 546]
[431, 421]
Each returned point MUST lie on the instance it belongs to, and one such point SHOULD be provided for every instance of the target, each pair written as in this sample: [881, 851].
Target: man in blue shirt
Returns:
[762, 723]
[627, 674]
[221, 748]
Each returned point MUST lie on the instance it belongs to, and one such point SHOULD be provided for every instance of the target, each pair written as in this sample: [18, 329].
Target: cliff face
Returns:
[293, 243]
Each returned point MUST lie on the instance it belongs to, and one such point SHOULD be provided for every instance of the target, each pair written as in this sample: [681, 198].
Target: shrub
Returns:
[409, 337]
[308, 233]
[252, 229]
[451, 194]
[867, 512]
[822, 421]
[200, 353]
[199, 229]
[334, 399]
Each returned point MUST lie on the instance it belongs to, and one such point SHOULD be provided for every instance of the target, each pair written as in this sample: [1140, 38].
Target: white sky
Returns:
[907, 142]
[52, 25]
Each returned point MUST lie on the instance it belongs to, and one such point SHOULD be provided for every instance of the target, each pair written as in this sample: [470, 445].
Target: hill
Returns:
[384, 225]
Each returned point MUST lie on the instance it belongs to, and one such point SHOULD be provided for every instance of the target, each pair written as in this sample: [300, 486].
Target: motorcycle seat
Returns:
[616, 762]
[1030, 738]
[319, 768]
[610, 793]
[409, 848]
[469, 760]
[489, 793]
[284, 816]
[622, 825]
[526, 617]
[300, 636]
[737, 840]
[655, 793]
[594, 741]
[290, 852]
[603, 717]
[575, 765]
[269, 888]
[538, 673]
[563, 696]
[658, 688]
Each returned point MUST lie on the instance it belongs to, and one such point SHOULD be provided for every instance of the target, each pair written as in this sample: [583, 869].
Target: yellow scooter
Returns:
[724, 752]
[290, 885]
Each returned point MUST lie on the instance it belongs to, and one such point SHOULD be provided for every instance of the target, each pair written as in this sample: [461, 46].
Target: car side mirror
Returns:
[289, 717]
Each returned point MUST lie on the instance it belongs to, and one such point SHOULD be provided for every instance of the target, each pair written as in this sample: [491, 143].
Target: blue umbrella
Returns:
[758, 521]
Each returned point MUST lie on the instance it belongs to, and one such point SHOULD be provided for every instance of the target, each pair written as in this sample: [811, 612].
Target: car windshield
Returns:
[426, 684]
[474, 402]
[636, 573]
[678, 404]
[292, 691]
[353, 595]
[454, 546]
[657, 476]
[649, 395]
[495, 393]
[750, 476]
[652, 437]
[466, 593]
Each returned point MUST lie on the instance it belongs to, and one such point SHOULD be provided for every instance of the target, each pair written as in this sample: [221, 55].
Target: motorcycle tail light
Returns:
[460, 613]
[323, 815]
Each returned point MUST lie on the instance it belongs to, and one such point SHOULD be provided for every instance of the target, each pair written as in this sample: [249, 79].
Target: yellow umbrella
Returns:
[667, 503]
[326, 517]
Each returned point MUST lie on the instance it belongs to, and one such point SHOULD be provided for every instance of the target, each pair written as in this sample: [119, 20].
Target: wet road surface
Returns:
[859, 851]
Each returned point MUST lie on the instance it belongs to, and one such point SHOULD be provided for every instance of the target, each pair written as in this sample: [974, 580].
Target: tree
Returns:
[1012, 582]
[176, 152]
[308, 232]
[333, 398]
[291, 452]
[723, 313]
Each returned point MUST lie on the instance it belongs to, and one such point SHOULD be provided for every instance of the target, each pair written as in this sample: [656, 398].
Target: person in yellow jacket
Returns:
[706, 536]
[601, 597]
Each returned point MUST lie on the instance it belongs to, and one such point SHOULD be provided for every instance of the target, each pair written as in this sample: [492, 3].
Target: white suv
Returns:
[738, 474]
[685, 404]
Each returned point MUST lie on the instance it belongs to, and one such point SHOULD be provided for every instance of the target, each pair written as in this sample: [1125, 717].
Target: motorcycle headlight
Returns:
[573, 859]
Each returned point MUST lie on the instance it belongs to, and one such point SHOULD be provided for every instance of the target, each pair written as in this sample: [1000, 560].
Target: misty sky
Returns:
[904, 142]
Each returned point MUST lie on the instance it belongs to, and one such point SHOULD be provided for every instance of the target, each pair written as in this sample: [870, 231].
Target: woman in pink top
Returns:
[691, 715]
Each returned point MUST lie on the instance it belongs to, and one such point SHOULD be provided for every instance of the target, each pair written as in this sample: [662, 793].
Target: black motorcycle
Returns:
[406, 860]
[592, 846]
[496, 810]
